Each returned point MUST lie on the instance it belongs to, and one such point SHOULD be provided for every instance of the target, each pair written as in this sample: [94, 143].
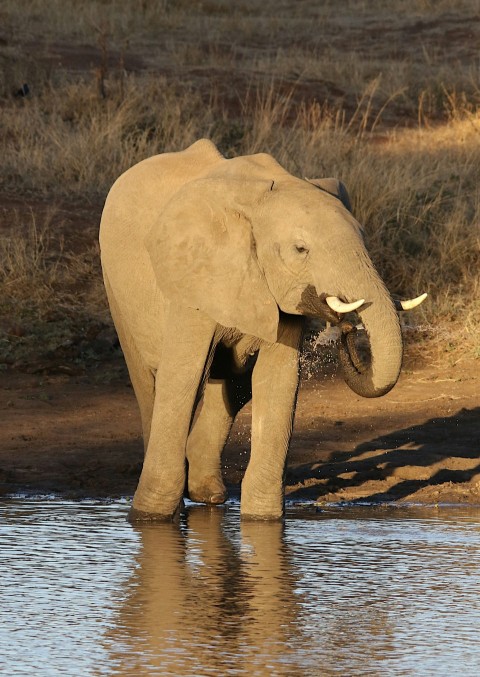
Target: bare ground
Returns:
[420, 443]
[75, 435]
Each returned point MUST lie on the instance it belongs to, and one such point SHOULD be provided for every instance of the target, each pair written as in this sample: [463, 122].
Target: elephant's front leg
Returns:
[186, 344]
[274, 394]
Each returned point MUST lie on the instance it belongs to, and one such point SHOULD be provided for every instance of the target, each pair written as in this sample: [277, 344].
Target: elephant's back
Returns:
[138, 196]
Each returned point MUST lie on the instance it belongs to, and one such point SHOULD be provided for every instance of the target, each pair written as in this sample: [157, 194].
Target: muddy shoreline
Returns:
[420, 444]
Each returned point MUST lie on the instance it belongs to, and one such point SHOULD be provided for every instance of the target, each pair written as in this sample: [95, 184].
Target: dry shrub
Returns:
[29, 270]
[38, 275]
[67, 140]
[53, 311]
[415, 190]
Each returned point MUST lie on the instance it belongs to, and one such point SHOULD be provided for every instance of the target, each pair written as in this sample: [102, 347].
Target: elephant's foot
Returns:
[136, 516]
[261, 507]
[210, 489]
[251, 512]
[148, 506]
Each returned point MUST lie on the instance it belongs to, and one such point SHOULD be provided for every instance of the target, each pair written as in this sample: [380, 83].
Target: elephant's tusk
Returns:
[338, 306]
[410, 303]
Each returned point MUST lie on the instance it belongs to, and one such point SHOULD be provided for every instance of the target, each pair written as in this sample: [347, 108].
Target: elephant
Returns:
[212, 267]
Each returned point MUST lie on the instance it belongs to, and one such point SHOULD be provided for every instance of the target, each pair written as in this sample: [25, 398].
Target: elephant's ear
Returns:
[203, 253]
[334, 187]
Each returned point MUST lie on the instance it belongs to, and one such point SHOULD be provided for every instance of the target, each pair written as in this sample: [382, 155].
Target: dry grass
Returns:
[52, 305]
[68, 141]
[384, 97]
[36, 270]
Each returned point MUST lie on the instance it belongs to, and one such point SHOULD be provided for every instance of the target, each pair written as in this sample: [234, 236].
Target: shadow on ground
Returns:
[398, 465]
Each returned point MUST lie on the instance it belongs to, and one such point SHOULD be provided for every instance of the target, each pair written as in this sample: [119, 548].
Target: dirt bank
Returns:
[420, 443]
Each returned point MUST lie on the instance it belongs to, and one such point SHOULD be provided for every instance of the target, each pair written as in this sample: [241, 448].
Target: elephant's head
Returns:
[250, 240]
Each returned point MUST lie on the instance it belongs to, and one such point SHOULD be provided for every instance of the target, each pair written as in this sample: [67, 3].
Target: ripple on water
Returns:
[364, 591]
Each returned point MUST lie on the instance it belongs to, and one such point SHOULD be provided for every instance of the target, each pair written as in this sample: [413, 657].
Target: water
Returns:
[353, 591]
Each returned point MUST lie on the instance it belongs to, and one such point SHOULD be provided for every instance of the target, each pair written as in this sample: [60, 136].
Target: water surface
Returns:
[344, 591]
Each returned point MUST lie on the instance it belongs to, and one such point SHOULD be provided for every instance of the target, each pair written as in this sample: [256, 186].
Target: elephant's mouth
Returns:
[313, 305]
[370, 360]
[354, 347]
[354, 351]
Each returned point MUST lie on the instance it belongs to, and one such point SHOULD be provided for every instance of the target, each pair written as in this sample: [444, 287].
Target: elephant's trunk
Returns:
[377, 375]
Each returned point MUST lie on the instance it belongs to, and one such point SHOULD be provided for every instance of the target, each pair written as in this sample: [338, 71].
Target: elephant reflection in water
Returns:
[201, 602]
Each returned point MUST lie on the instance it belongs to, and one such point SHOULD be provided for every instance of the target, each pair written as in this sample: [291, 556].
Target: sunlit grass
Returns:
[414, 186]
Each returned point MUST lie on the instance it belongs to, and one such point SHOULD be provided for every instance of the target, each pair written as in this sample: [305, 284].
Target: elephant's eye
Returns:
[301, 248]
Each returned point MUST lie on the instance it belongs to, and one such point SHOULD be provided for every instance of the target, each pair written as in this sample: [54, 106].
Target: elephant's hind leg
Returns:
[221, 401]
[140, 374]
[205, 444]
[143, 383]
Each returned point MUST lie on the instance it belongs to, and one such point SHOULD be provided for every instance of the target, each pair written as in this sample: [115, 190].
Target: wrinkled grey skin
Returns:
[211, 266]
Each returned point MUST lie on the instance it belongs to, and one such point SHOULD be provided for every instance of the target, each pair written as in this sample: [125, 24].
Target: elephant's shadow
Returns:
[425, 455]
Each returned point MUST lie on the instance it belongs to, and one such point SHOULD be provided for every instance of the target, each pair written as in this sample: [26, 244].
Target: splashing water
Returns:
[319, 353]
